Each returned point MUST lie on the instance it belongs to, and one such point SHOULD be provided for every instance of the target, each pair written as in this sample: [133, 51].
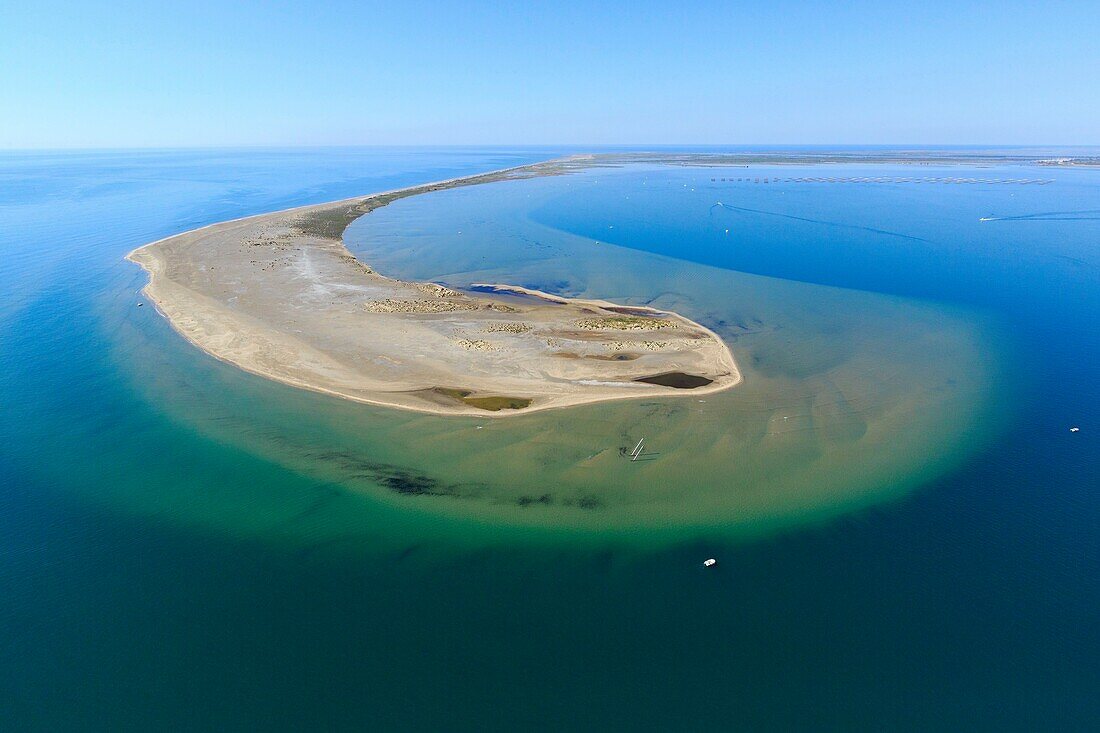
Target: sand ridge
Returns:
[279, 295]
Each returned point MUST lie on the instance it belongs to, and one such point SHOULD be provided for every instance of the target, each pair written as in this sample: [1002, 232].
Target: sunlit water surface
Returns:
[901, 514]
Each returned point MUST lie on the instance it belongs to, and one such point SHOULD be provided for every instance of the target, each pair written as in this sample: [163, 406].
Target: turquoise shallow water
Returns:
[190, 546]
[848, 396]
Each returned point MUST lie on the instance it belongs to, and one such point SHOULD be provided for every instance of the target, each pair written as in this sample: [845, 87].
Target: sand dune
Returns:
[279, 295]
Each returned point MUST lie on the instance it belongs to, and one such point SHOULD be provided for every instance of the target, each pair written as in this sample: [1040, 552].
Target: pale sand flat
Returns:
[279, 295]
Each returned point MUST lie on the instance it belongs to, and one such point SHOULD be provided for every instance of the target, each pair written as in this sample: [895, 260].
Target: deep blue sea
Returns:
[182, 547]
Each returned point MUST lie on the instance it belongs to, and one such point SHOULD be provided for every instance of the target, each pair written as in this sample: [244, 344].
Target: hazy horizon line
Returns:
[580, 147]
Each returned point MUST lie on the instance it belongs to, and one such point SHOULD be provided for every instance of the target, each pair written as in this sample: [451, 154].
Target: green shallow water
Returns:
[185, 546]
[849, 398]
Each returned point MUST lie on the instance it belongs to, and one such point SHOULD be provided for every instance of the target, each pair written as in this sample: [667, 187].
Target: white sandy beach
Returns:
[279, 295]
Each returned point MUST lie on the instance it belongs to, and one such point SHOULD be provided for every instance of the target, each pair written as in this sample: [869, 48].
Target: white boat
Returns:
[709, 562]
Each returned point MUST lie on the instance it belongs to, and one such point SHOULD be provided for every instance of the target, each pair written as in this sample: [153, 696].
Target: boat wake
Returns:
[823, 222]
[1083, 215]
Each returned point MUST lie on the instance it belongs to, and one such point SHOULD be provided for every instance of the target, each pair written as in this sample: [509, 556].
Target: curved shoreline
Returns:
[280, 296]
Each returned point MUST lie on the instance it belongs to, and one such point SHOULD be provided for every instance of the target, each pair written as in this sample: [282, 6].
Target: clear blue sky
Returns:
[197, 73]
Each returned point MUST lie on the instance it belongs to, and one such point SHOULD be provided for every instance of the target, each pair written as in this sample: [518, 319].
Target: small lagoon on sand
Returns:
[893, 493]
